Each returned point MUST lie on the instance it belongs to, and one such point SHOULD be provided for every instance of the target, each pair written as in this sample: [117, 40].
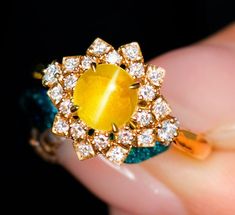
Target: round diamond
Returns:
[60, 126]
[85, 149]
[168, 130]
[155, 74]
[144, 118]
[71, 63]
[86, 63]
[101, 141]
[117, 154]
[160, 108]
[77, 130]
[56, 93]
[113, 57]
[146, 138]
[70, 81]
[125, 137]
[136, 70]
[99, 48]
[132, 51]
[49, 79]
[50, 73]
[147, 92]
[65, 107]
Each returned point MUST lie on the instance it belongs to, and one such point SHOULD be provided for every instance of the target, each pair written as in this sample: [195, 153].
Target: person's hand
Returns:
[200, 87]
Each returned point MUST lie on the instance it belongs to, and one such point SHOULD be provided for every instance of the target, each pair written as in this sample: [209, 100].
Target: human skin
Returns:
[200, 87]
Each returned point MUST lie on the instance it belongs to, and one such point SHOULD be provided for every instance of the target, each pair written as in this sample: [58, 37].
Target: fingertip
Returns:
[128, 187]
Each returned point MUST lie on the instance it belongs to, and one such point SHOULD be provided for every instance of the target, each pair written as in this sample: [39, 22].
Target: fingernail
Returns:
[128, 187]
[223, 137]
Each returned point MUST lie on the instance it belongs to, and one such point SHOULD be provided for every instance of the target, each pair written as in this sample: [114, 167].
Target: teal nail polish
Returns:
[138, 155]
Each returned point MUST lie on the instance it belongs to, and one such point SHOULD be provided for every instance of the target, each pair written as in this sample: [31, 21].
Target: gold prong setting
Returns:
[93, 66]
[74, 108]
[150, 122]
[136, 85]
[114, 128]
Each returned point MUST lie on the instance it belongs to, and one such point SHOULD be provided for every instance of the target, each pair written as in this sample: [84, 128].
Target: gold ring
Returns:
[109, 102]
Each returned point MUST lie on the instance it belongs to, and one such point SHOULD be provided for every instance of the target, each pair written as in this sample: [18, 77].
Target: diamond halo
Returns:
[150, 122]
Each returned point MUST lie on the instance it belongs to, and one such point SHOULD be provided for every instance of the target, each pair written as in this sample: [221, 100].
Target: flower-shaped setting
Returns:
[109, 101]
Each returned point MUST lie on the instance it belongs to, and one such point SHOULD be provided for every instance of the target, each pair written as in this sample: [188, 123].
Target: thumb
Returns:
[199, 87]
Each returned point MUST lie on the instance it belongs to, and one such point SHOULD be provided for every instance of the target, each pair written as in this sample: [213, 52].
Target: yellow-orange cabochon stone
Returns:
[104, 97]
